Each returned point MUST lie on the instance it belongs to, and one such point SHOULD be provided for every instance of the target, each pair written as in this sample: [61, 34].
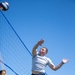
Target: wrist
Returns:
[62, 62]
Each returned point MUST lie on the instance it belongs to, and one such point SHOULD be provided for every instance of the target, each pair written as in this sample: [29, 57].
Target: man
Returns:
[3, 72]
[40, 61]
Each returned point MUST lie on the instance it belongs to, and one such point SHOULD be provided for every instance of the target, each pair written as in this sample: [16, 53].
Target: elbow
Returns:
[54, 69]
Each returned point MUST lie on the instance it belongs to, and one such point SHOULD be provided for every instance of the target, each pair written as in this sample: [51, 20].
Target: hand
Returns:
[64, 61]
[40, 42]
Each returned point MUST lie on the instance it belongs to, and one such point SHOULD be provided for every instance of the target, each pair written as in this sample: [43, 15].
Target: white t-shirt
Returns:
[39, 63]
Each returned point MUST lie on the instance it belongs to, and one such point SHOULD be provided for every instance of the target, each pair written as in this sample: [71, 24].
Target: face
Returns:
[1, 7]
[43, 51]
[3, 73]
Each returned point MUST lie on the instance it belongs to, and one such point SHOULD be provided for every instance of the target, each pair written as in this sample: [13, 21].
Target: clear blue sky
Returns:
[51, 20]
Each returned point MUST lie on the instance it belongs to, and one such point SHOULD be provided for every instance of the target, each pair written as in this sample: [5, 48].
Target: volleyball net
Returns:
[15, 57]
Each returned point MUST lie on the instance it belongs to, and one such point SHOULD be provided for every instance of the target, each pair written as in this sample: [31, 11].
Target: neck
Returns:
[41, 54]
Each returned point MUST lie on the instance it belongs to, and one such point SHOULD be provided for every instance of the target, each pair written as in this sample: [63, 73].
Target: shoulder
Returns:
[34, 52]
[49, 60]
[37, 54]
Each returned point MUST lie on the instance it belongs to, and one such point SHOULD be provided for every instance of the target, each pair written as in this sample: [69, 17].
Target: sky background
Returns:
[51, 20]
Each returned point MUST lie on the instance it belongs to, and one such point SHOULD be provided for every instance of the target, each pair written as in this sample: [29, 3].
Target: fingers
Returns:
[41, 42]
[65, 61]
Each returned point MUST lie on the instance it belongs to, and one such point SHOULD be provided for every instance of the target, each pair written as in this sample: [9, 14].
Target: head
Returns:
[3, 72]
[43, 51]
[1, 7]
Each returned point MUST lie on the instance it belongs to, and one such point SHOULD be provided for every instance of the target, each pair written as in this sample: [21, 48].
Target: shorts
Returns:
[39, 74]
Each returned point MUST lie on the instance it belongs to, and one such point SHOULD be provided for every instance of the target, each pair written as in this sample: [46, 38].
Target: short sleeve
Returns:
[50, 62]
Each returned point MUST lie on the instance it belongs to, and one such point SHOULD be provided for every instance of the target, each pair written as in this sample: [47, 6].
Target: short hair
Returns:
[46, 49]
